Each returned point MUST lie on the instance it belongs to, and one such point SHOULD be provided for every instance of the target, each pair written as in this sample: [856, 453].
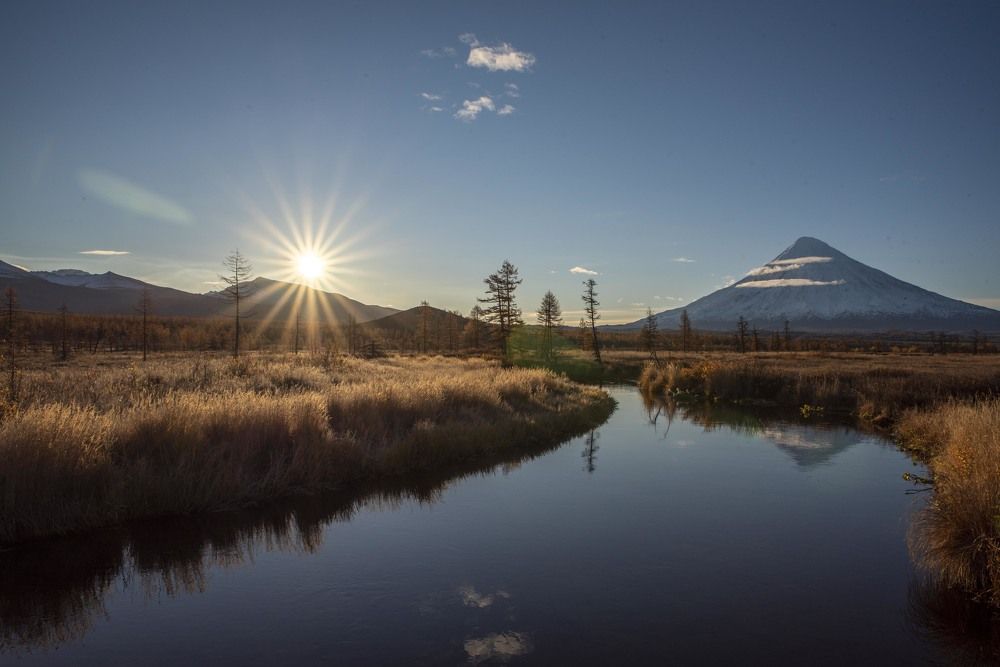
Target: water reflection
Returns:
[808, 445]
[497, 647]
[961, 629]
[52, 591]
[589, 452]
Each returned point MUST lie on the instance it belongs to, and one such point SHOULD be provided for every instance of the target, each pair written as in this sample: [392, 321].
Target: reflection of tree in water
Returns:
[51, 592]
[589, 453]
[656, 409]
[960, 629]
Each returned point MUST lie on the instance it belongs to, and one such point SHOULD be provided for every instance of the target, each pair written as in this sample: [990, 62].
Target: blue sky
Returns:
[637, 134]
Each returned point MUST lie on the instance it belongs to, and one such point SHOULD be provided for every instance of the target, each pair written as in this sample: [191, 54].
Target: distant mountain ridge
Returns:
[815, 287]
[113, 294]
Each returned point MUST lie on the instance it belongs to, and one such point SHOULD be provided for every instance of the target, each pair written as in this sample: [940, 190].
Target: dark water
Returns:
[708, 538]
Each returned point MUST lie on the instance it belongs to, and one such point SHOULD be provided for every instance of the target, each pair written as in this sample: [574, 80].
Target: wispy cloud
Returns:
[802, 260]
[472, 108]
[790, 282]
[435, 109]
[430, 97]
[512, 90]
[582, 271]
[132, 198]
[505, 110]
[683, 260]
[444, 52]
[104, 252]
[678, 299]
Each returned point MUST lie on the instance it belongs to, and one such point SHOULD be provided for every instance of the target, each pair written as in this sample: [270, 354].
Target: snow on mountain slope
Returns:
[816, 287]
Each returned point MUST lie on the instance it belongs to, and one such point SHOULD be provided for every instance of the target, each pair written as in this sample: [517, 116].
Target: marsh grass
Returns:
[90, 446]
[956, 536]
[875, 388]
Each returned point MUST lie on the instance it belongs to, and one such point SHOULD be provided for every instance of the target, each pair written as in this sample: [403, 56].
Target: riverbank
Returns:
[90, 446]
[877, 389]
[941, 409]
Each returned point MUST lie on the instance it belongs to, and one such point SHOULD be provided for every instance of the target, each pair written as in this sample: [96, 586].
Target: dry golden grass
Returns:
[89, 446]
[957, 535]
[875, 388]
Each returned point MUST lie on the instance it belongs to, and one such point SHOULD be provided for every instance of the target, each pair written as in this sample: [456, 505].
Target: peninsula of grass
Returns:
[90, 446]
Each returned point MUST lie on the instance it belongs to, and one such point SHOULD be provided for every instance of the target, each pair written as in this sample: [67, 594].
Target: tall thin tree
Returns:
[549, 315]
[11, 309]
[237, 279]
[741, 333]
[649, 335]
[145, 307]
[590, 304]
[64, 332]
[501, 309]
[685, 331]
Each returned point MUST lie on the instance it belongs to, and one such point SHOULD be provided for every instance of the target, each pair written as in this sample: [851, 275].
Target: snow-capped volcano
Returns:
[815, 287]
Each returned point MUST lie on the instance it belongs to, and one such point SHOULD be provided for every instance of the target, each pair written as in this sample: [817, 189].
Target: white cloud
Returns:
[472, 108]
[502, 58]
[583, 271]
[638, 304]
[430, 53]
[683, 260]
[512, 90]
[801, 260]
[449, 52]
[104, 252]
[790, 282]
[505, 110]
[436, 109]
[669, 298]
[430, 97]
[468, 38]
[765, 270]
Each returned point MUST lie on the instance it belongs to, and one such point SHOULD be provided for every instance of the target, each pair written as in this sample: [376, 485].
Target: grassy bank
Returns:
[91, 446]
[956, 537]
[875, 388]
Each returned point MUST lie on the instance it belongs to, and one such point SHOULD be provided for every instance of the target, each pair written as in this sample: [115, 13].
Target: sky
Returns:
[664, 149]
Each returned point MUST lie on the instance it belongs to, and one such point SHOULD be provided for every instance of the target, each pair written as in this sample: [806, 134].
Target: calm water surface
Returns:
[743, 540]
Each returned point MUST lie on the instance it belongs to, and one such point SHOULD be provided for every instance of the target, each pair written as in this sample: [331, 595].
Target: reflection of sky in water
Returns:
[711, 541]
[498, 647]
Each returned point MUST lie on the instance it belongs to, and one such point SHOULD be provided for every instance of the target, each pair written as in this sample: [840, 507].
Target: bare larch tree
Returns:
[237, 279]
[649, 335]
[145, 308]
[590, 304]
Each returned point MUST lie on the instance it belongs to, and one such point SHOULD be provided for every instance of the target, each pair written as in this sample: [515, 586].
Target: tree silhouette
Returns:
[145, 308]
[64, 333]
[236, 279]
[590, 304]
[10, 311]
[501, 309]
[685, 331]
[549, 315]
[741, 333]
[649, 335]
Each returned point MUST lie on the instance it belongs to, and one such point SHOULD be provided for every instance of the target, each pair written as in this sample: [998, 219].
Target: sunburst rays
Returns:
[315, 252]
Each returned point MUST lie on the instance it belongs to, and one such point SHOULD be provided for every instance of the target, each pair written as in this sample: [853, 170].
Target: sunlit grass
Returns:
[92, 446]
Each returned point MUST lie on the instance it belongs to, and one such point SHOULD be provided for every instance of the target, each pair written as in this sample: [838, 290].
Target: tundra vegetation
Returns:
[944, 409]
[95, 443]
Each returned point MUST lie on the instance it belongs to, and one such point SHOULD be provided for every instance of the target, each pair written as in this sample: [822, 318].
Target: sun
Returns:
[310, 265]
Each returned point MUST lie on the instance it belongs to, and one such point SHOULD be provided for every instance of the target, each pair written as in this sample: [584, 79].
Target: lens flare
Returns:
[310, 266]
